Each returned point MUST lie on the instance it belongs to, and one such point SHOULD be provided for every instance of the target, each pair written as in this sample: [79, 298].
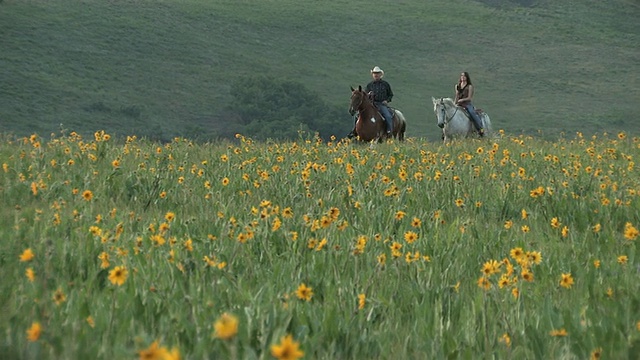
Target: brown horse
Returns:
[370, 125]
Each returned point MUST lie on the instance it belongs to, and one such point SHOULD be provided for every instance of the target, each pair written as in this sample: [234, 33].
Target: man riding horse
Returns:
[381, 92]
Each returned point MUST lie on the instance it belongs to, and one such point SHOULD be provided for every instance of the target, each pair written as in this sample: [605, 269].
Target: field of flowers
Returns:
[510, 248]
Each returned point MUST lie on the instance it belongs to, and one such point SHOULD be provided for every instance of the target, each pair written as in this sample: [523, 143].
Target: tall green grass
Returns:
[458, 250]
[165, 68]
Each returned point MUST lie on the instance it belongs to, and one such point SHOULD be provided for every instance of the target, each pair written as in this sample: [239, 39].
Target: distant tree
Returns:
[274, 108]
[275, 129]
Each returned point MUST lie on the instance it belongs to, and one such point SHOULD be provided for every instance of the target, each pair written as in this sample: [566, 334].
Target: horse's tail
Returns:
[487, 121]
[403, 124]
[400, 115]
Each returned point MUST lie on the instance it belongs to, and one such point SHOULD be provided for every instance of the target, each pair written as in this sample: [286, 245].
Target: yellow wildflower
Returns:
[59, 297]
[630, 232]
[287, 349]
[558, 332]
[226, 327]
[361, 301]
[484, 283]
[304, 292]
[87, 195]
[410, 237]
[506, 339]
[34, 332]
[31, 275]
[27, 255]
[118, 275]
[154, 352]
[566, 281]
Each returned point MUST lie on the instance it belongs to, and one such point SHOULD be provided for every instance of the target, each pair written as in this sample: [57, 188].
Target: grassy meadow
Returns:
[161, 69]
[508, 248]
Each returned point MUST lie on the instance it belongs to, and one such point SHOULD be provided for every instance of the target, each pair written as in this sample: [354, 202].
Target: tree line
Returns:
[265, 107]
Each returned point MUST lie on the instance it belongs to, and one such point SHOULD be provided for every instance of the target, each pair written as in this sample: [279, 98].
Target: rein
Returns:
[444, 112]
[359, 105]
[362, 103]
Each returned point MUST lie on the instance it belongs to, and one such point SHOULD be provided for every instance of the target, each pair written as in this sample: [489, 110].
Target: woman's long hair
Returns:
[466, 75]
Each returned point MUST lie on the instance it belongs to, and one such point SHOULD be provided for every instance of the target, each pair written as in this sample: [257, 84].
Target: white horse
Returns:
[455, 121]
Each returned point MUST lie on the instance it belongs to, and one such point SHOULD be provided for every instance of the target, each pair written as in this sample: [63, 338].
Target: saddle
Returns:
[391, 109]
[479, 111]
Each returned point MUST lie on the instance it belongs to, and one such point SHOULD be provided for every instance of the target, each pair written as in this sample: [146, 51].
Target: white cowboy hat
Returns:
[377, 70]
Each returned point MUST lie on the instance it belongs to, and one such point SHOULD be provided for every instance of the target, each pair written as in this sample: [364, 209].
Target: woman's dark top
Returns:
[463, 93]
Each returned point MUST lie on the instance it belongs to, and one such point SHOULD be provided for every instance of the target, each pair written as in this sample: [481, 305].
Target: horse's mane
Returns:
[364, 94]
[448, 102]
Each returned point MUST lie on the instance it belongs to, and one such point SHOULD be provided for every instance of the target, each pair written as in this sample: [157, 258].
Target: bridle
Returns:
[353, 108]
[357, 108]
[444, 112]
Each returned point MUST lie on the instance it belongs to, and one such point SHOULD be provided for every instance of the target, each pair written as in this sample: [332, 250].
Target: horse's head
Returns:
[358, 97]
[440, 109]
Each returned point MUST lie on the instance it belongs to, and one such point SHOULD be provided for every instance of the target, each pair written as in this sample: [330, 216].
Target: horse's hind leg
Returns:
[400, 134]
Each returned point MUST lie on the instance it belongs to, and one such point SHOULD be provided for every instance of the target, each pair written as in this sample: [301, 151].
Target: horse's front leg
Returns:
[376, 140]
[384, 136]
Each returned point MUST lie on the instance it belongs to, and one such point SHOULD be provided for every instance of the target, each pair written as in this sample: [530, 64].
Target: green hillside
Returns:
[167, 68]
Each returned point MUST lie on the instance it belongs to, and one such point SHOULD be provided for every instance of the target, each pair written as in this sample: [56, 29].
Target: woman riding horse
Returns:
[464, 95]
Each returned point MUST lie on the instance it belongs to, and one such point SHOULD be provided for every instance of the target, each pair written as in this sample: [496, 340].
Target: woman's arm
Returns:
[455, 89]
[470, 93]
